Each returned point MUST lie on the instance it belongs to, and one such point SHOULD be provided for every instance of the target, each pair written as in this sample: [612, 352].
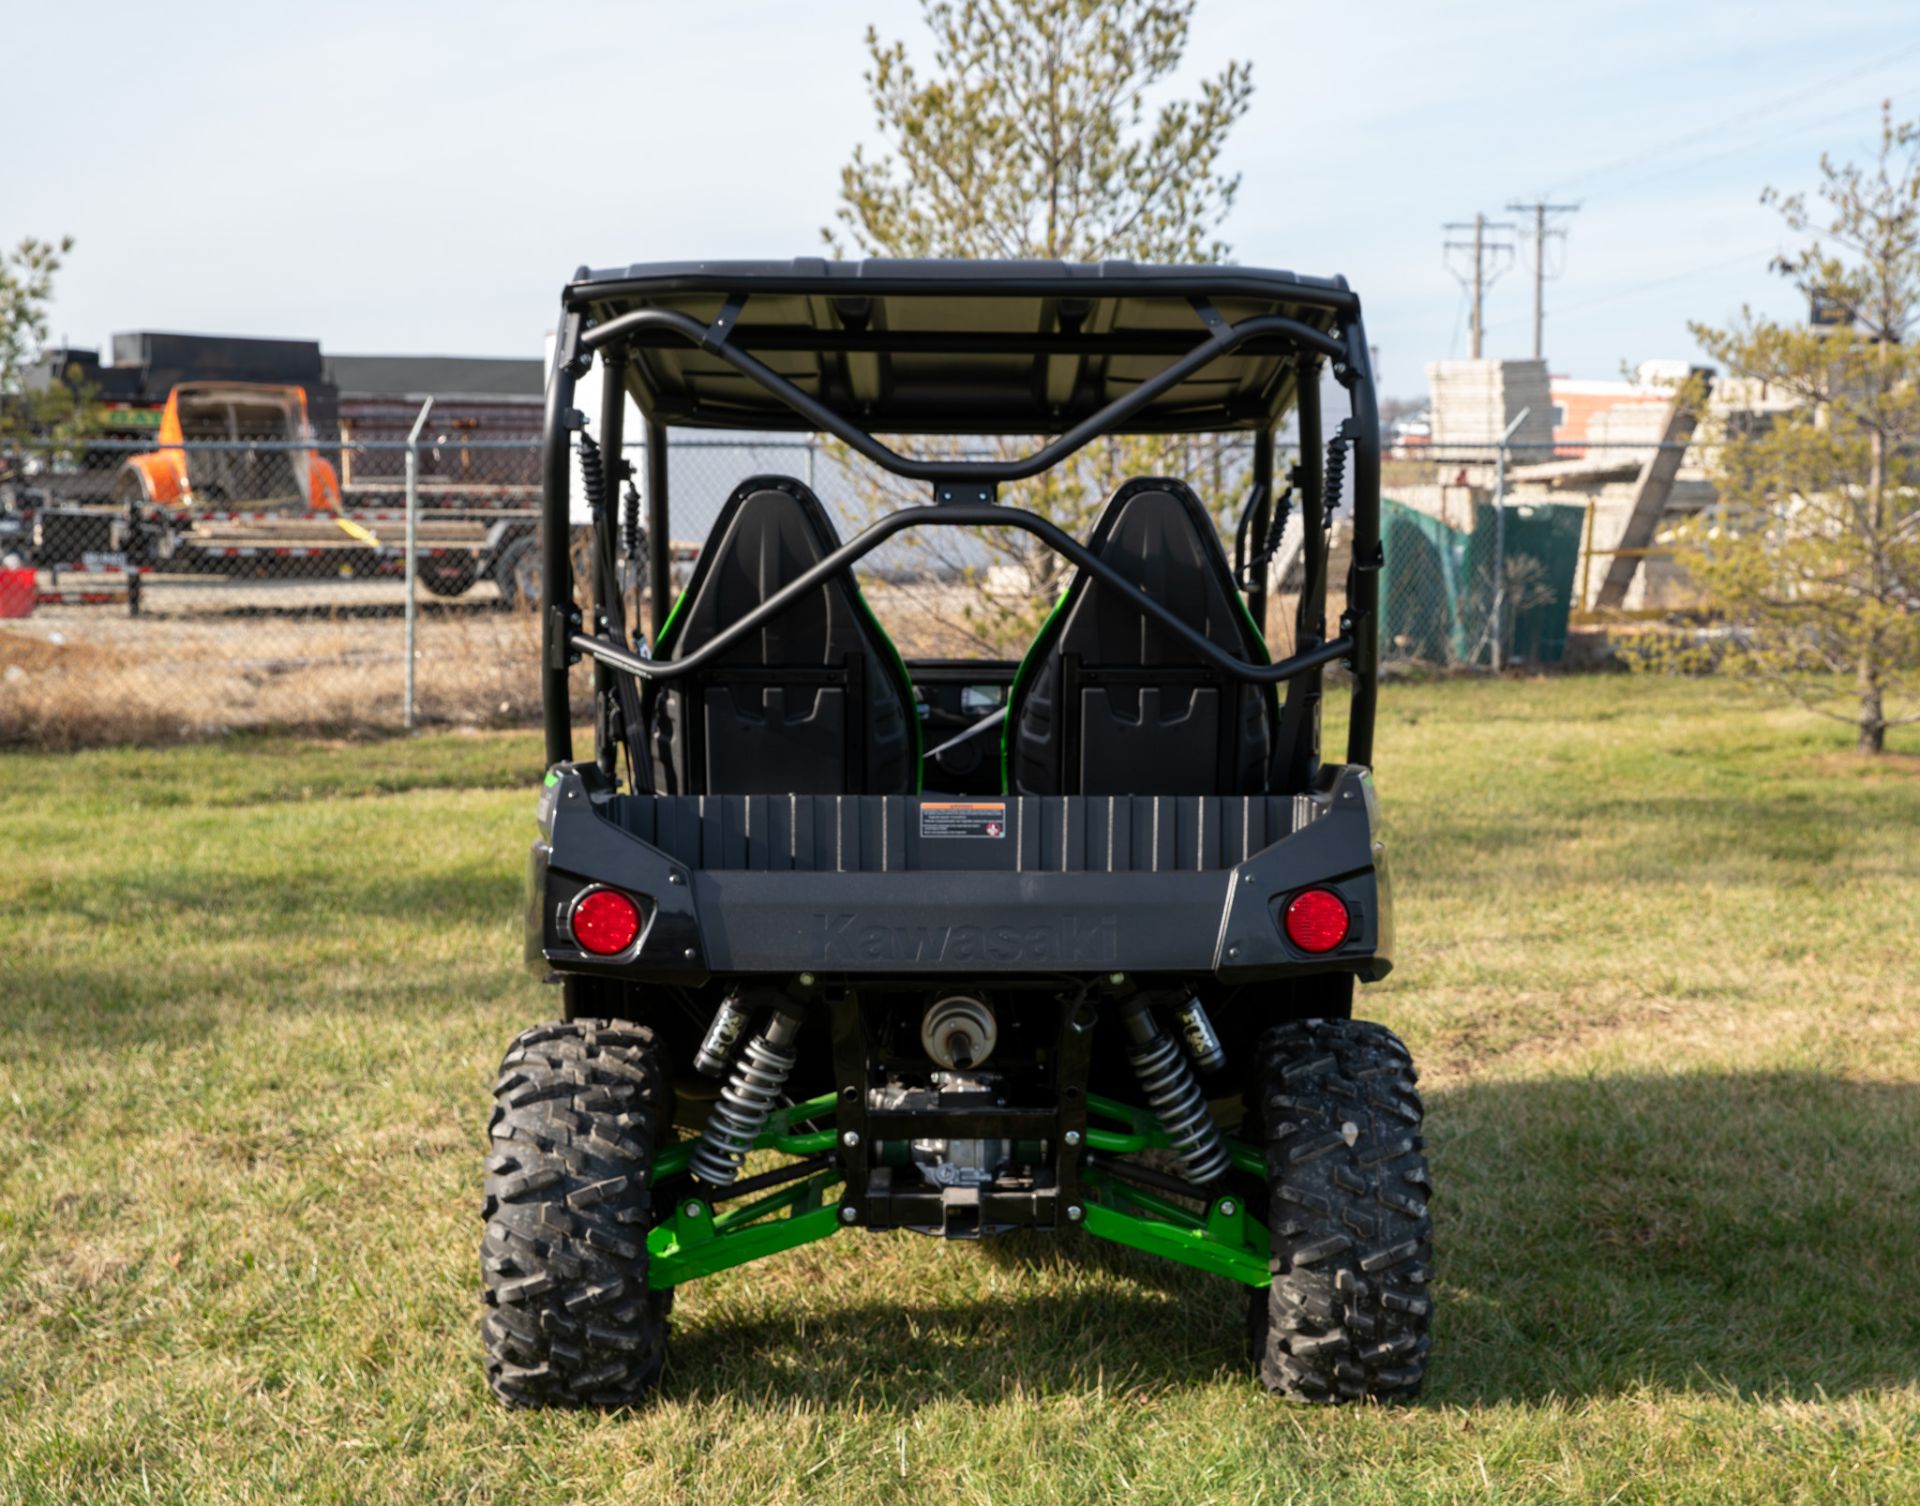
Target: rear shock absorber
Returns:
[1173, 1093]
[1203, 1041]
[747, 1101]
[630, 525]
[1335, 476]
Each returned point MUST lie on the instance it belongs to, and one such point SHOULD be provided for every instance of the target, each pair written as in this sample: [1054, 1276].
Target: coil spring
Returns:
[746, 1102]
[593, 476]
[1248, 572]
[1336, 471]
[630, 524]
[1174, 1093]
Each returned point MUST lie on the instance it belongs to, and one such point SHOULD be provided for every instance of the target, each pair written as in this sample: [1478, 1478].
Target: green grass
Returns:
[1657, 955]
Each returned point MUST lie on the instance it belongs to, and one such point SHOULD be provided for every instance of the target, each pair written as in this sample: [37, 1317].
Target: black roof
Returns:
[956, 347]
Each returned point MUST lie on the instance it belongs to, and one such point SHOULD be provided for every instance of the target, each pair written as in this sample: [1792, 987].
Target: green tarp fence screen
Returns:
[1437, 586]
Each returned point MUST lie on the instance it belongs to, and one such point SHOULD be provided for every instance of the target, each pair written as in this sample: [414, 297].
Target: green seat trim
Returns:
[906, 680]
[1049, 625]
[665, 636]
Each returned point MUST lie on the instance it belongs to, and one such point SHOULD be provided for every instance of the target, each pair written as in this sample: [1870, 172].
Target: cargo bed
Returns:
[786, 883]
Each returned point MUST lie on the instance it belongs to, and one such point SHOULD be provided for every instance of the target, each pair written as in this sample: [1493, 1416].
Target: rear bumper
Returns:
[766, 886]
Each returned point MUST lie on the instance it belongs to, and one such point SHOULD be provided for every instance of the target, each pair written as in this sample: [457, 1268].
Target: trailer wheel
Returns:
[1347, 1315]
[517, 573]
[449, 577]
[517, 569]
[568, 1203]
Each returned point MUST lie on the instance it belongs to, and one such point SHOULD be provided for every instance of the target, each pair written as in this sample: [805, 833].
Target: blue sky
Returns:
[393, 177]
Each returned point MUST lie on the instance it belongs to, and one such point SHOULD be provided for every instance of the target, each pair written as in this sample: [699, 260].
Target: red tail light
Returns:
[1317, 920]
[604, 922]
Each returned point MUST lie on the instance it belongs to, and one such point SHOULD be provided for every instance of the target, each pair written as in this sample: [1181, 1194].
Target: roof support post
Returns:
[606, 587]
[659, 545]
[1362, 619]
[1262, 521]
[556, 570]
[1296, 755]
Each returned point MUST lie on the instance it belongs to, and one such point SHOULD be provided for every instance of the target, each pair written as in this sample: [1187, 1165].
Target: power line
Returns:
[1486, 267]
[1459, 311]
[1634, 289]
[1758, 143]
[1541, 230]
[1743, 117]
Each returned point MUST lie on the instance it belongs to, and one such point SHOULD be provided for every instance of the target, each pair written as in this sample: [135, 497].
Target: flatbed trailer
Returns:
[102, 556]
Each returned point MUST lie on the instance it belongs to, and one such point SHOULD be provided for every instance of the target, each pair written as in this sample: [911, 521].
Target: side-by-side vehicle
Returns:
[816, 972]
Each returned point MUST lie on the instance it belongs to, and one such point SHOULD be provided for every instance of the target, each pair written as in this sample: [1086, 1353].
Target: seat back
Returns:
[816, 702]
[1107, 702]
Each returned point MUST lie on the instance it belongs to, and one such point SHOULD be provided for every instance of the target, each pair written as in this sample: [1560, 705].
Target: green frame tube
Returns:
[693, 1240]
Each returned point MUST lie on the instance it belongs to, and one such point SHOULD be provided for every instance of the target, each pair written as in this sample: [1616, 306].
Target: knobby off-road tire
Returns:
[1347, 1316]
[568, 1203]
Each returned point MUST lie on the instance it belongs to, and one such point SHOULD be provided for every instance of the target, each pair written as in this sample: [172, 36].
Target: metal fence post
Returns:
[412, 567]
[1498, 626]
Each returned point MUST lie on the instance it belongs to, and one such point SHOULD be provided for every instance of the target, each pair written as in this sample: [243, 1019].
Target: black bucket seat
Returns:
[816, 702]
[1107, 702]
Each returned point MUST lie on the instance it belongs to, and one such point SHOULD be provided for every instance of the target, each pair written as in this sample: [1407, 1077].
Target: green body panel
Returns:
[665, 636]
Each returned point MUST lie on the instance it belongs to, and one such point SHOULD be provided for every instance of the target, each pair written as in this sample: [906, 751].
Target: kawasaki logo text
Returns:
[1070, 938]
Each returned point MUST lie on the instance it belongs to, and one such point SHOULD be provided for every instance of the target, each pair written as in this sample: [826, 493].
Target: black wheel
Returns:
[449, 577]
[569, 1321]
[517, 573]
[517, 568]
[1348, 1314]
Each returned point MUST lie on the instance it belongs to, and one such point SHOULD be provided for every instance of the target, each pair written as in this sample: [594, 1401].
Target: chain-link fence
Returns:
[1495, 554]
[153, 592]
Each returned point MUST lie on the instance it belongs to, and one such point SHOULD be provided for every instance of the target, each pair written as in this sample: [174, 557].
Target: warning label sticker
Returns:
[963, 818]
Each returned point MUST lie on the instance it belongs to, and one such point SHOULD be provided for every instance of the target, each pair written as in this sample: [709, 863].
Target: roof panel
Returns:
[957, 347]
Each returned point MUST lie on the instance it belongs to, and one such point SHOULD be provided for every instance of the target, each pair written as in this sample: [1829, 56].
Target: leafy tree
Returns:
[1814, 551]
[1032, 139]
[1032, 134]
[26, 289]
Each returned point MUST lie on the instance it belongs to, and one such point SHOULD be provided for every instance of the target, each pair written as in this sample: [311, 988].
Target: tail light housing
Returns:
[604, 922]
[1317, 920]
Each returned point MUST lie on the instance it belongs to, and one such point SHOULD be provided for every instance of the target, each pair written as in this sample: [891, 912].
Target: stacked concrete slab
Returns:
[1474, 401]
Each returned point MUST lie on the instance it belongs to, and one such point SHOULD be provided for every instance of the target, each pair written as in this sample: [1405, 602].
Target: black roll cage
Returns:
[964, 492]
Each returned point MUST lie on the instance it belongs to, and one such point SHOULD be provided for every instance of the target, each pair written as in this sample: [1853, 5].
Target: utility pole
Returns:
[1487, 265]
[1541, 230]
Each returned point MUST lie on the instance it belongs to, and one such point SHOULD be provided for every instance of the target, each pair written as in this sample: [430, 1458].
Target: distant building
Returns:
[484, 426]
[380, 396]
[1621, 411]
[145, 365]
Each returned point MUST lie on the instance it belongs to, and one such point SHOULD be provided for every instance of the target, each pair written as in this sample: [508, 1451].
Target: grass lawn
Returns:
[1659, 959]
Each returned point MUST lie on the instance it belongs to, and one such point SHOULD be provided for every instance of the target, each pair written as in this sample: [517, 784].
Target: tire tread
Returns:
[567, 1204]
[1347, 1317]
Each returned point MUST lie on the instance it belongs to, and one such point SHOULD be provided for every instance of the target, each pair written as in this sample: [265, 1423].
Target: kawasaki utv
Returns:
[848, 941]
